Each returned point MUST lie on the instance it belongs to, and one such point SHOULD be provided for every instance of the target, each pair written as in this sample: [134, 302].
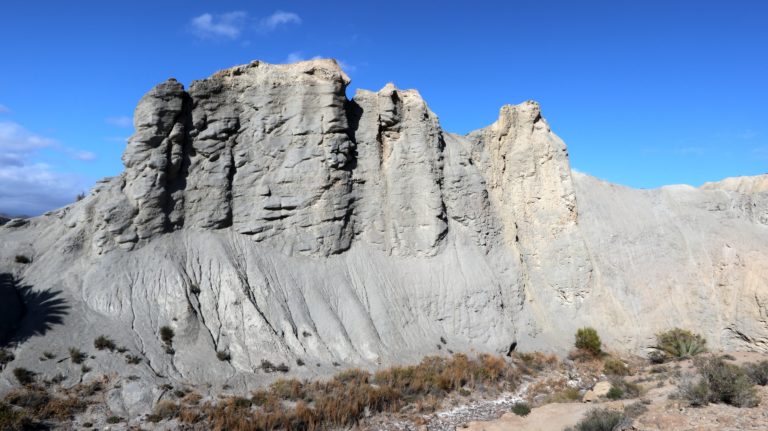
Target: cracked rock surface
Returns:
[264, 215]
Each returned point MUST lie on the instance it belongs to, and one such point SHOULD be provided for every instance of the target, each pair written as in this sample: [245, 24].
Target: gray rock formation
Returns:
[263, 214]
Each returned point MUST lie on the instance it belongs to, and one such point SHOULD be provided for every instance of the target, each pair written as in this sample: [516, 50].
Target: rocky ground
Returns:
[559, 393]
[656, 409]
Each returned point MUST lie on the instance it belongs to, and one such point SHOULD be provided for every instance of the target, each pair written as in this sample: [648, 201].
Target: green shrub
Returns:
[104, 343]
[695, 392]
[615, 393]
[615, 367]
[623, 389]
[24, 376]
[721, 383]
[679, 344]
[114, 420]
[223, 356]
[132, 359]
[76, 355]
[599, 420]
[758, 373]
[521, 409]
[167, 334]
[587, 339]
[22, 259]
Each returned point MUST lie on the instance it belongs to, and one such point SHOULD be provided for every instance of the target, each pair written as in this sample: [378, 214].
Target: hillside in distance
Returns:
[263, 215]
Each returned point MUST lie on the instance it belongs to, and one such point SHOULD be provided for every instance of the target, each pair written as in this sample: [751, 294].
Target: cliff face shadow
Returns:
[25, 313]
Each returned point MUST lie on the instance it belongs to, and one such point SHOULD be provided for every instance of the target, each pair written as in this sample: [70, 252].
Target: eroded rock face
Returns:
[263, 214]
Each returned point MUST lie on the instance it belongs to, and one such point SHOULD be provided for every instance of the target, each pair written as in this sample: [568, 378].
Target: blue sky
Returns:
[644, 93]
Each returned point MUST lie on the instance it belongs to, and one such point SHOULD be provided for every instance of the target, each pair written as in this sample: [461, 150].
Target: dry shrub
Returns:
[616, 367]
[536, 362]
[166, 409]
[343, 400]
[38, 404]
[13, 419]
[192, 398]
[565, 395]
[287, 389]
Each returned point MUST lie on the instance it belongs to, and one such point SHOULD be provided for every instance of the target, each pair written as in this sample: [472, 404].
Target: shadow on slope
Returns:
[25, 313]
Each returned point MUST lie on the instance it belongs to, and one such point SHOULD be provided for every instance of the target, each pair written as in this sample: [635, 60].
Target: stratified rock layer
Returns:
[263, 214]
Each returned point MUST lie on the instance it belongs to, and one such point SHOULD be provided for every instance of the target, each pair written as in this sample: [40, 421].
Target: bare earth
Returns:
[663, 413]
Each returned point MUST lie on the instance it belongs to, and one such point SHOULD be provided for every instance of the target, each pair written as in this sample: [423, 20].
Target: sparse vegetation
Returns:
[164, 410]
[76, 355]
[720, 382]
[299, 362]
[32, 406]
[114, 420]
[521, 409]
[587, 339]
[615, 393]
[12, 419]
[537, 361]
[104, 343]
[269, 367]
[599, 420]
[677, 344]
[223, 356]
[566, 395]
[622, 389]
[24, 376]
[616, 367]
[166, 335]
[758, 372]
[635, 410]
[132, 359]
[351, 394]
[20, 258]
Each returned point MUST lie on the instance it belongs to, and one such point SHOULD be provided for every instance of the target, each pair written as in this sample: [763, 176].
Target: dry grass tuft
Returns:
[343, 400]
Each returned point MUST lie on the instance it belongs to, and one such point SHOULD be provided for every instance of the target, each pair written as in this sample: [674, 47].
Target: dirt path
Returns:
[545, 418]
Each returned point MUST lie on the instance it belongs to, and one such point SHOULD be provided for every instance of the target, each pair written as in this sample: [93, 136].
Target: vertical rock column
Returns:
[529, 178]
[400, 168]
[153, 158]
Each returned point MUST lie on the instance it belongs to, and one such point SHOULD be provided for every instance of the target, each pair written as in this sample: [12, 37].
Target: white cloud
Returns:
[118, 139]
[298, 56]
[34, 189]
[15, 139]
[85, 156]
[28, 187]
[119, 121]
[4, 109]
[226, 25]
[346, 66]
[277, 19]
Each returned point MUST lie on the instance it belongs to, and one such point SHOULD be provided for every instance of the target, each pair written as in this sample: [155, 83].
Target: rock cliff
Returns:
[263, 214]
